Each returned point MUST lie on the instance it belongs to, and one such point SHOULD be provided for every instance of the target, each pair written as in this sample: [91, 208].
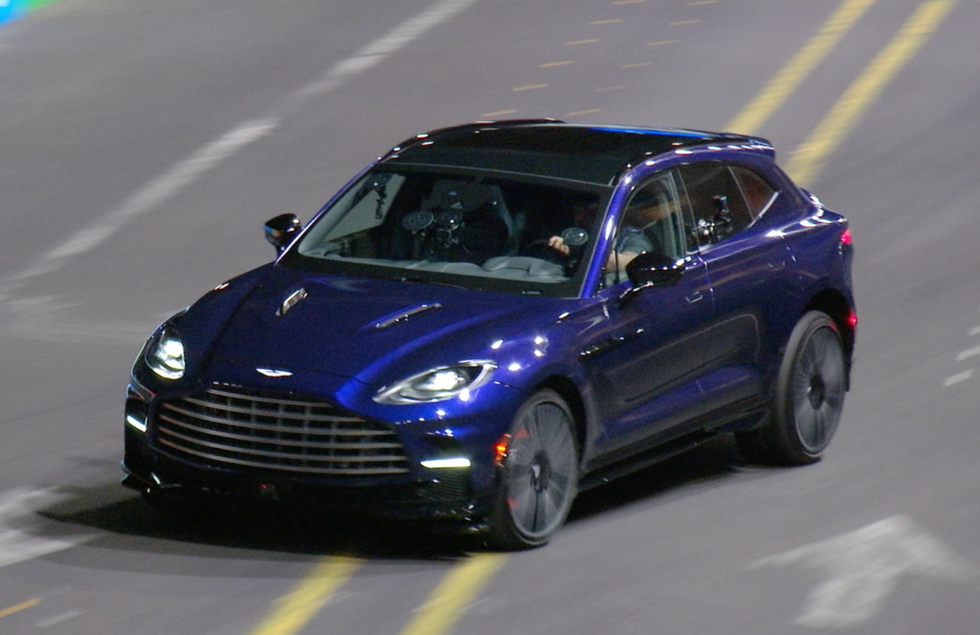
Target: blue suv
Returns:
[493, 317]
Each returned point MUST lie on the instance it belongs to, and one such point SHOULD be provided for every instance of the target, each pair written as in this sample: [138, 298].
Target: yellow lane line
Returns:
[458, 589]
[611, 21]
[16, 608]
[553, 64]
[807, 162]
[518, 89]
[782, 85]
[296, 609]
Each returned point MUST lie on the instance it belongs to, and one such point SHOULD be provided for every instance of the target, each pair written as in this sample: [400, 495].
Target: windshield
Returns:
[474, 231]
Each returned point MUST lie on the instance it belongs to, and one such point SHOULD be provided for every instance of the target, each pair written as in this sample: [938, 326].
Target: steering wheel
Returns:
[572, 236]
[575, 236]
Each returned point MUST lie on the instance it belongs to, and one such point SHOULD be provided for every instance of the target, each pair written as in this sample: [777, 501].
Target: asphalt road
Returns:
[142, 145]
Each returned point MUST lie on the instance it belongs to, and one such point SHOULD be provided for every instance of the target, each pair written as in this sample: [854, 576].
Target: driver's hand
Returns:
[556, 243]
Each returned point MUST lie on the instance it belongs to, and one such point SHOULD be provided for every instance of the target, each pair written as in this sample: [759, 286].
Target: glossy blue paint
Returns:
[362, 301]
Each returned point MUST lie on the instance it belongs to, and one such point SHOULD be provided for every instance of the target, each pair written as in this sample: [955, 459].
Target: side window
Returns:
[759, 195]
[716, 201]
[653, 221]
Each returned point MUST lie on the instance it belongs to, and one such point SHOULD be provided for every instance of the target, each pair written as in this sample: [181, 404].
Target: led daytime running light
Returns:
[454, 462]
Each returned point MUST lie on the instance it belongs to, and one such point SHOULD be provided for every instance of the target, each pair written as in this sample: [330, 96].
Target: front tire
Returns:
[809, 397]
[539, 475]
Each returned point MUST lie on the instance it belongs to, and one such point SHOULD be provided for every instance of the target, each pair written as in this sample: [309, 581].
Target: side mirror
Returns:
[280, 230]
[650, 269]
[656, 269]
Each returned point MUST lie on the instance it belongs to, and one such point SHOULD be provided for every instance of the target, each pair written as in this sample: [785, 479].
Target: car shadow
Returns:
[270, 531]
[266, 529]
[714, 461]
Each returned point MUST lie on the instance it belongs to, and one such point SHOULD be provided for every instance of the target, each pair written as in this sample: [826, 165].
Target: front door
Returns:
[646, 366]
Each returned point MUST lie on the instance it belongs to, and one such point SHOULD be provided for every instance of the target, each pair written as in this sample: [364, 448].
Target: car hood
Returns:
[364, 328]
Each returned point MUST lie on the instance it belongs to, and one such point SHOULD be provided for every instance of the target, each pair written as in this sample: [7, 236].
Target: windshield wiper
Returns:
[424, 280]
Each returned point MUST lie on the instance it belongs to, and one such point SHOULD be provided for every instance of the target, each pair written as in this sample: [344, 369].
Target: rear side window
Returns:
[716, 200]
[759, 195]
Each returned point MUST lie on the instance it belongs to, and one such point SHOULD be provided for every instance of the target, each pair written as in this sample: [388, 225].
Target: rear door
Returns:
[749, 270]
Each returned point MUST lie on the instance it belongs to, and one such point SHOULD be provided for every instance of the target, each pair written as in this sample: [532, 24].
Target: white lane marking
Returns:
[148, 198]
[376, 51]
[863, 567]
[958, 378]
[961, 356]
[416, 27]
[189, 170]
[968, 353]
[58, 619]
[46, 319]
[22, 530]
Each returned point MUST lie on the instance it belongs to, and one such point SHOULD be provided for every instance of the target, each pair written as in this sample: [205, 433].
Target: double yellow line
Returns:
[467, 580]
[790, 76]
[445, 605]
[292, 612]
[807, 162]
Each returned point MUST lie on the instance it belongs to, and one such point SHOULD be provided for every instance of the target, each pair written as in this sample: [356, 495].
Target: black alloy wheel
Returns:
[809, 397]
[539, 478]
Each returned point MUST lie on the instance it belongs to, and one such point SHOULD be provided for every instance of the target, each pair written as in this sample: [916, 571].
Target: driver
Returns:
[630, 242]
[649, 206]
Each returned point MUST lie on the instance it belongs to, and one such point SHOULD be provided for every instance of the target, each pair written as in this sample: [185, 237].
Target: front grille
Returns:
[278, 432]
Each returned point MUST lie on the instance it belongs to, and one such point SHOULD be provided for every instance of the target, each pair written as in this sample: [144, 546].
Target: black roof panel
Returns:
[594, 154]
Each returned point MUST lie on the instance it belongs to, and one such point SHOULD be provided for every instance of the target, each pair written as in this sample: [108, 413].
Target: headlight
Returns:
[165, 354]
[438, 384]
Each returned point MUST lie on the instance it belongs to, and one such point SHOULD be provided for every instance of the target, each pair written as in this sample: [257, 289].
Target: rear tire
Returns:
[809, 397]
[539, 478]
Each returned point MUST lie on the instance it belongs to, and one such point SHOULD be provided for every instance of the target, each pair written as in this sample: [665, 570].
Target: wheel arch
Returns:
[568, 391]
[841, 311]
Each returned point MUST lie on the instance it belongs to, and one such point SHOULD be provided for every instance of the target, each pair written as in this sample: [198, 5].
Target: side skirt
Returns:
[743, 415]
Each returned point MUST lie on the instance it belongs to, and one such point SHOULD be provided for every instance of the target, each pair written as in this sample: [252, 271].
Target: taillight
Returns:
[845, 237]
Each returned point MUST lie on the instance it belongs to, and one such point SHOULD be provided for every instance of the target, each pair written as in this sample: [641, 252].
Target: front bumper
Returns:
[447, 497]
[152, 465]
